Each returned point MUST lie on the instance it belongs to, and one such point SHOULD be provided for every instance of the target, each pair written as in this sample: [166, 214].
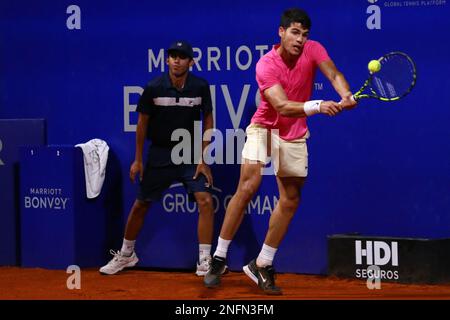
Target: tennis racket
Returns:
[395, 79]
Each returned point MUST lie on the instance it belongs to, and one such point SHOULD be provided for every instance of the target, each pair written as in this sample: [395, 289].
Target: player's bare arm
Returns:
[276, 96]
[141, 130]
[338, 82]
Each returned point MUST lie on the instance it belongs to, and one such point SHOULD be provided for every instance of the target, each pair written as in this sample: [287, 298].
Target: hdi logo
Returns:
[377, 253]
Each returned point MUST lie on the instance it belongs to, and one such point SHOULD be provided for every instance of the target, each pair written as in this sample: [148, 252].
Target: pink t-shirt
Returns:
[296, 82]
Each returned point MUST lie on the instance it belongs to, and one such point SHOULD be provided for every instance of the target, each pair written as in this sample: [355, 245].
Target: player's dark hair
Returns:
[295, 15]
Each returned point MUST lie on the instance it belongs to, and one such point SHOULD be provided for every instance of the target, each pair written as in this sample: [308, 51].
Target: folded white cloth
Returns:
[95, 155]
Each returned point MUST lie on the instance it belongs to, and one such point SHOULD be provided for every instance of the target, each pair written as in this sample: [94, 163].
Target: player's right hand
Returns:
[136, 167]
[330, 108]
[348, 103]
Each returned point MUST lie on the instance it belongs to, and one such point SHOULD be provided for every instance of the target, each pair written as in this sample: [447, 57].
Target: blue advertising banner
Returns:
[381, 169]
[13, 134]
[60, 225]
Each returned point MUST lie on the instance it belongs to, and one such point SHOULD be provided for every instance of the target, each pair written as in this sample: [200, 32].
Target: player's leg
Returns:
[249, 182]
[291, 169]
[255, 156]
[290, 194]
[260, 270]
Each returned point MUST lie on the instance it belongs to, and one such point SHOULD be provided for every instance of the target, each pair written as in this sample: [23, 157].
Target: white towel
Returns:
[95, 155]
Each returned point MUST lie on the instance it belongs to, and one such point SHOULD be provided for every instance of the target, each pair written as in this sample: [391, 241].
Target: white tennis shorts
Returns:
[290, 158]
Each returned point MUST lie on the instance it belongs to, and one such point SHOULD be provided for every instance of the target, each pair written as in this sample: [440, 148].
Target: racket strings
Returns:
[396, 77]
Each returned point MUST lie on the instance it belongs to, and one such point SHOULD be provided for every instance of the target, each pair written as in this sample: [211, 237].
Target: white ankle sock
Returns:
[266, 256]
[204, 251]
[222, 248]
[127, 247]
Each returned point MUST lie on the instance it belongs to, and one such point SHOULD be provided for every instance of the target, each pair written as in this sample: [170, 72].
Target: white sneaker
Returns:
[118, 263]
[204, 266]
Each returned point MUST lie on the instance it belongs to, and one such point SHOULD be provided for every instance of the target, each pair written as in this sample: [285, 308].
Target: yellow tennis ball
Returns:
[374, 66]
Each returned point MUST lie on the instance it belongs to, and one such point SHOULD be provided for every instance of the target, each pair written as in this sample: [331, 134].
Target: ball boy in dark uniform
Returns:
[176, 100]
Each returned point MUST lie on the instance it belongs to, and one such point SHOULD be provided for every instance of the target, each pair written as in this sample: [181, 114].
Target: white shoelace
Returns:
[116, 255]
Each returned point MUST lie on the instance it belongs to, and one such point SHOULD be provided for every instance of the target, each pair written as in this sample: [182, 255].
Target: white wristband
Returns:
[312, 107]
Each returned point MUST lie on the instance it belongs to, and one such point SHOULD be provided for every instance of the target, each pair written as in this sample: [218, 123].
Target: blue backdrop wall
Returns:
[381, 169]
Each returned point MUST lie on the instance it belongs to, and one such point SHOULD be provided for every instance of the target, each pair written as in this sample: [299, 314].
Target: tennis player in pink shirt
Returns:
[278, 131]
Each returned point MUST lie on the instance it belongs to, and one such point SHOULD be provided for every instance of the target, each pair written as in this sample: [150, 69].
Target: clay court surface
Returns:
[138, 284]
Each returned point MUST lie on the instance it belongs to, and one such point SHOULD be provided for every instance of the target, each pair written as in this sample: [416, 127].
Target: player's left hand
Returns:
[204, 169]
